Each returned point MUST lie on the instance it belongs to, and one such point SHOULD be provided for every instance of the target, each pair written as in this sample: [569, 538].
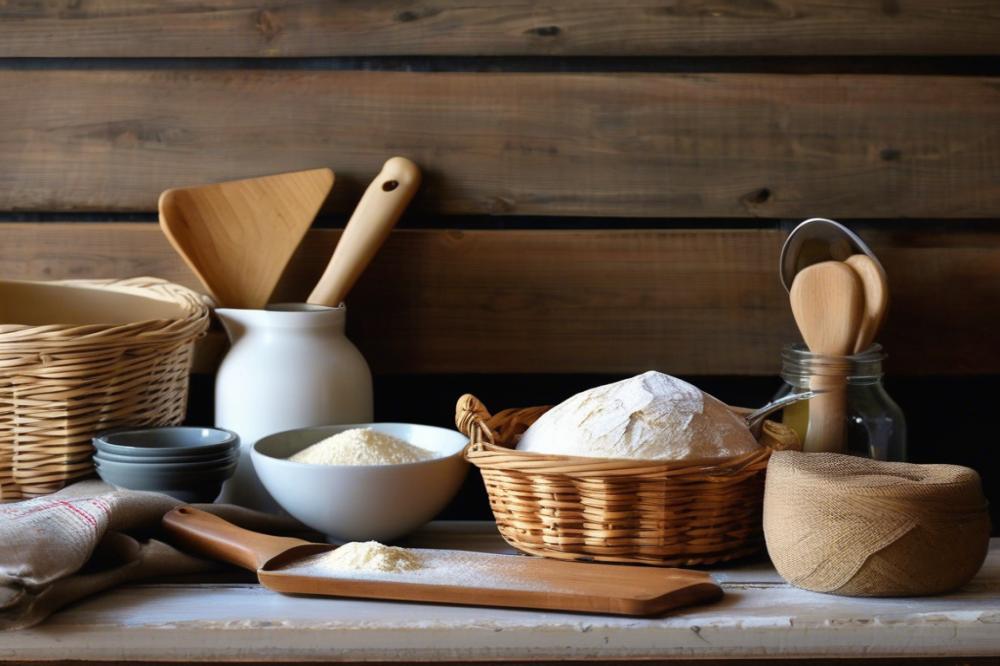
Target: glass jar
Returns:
[874, 424]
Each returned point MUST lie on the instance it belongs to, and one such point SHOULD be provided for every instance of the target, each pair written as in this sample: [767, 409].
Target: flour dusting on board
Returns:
[434, 567]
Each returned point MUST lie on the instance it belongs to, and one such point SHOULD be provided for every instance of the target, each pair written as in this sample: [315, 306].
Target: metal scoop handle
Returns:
[755, 419]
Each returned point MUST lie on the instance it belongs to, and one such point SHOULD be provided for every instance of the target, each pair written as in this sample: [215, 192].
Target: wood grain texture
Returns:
[373, 219]
[238, 236]
[226, 28]
[293, 566]
[827, 301]
[637, 145]
[761, 617]
[876, 290]
[685, 302]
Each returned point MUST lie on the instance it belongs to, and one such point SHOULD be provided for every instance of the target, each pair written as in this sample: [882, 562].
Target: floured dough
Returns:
[651, 416]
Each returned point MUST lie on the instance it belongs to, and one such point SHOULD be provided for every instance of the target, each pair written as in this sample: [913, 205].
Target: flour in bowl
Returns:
[361, 446]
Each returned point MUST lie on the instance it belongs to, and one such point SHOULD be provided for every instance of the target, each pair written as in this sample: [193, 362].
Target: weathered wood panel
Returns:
[650, 145]
[762, 619]
[148, 28]
[687, 302]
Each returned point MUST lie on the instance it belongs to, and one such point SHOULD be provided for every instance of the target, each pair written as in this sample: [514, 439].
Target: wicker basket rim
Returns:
[13, 336]
[481, 451]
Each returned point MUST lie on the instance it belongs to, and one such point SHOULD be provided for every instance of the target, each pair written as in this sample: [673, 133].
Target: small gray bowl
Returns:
[150, 464]
[166, 440]
[164, 474]
[187, 486]
[156, 460]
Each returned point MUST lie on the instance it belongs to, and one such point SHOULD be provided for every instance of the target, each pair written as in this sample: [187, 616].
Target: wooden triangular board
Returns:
[238, 236]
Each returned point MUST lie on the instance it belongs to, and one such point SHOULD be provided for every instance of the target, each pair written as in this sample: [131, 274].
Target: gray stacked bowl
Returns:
[185, 462]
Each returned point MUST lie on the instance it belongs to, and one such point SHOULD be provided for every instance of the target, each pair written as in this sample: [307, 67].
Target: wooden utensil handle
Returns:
[826, 432]
[201, 533]
[377, 213]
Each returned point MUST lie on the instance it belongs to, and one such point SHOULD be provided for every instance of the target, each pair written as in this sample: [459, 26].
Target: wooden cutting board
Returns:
[294, 566]
[238, 236]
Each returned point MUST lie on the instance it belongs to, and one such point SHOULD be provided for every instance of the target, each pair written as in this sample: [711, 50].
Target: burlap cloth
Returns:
[858, 527]
[90, 537]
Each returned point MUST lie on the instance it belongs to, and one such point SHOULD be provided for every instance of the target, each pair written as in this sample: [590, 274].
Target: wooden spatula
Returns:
[876, 289]
[827, 301]
[376, 214]
[238, 236]
[294, 566]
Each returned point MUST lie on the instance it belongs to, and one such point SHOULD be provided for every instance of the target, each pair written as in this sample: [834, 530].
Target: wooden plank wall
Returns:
[608, 184]
[282, 28]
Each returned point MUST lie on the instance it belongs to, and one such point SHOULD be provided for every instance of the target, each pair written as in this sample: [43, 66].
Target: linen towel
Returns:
[90, 537]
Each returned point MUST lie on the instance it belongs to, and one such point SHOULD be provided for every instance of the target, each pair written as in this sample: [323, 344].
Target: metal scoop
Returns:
[755, 419]
[816, 240]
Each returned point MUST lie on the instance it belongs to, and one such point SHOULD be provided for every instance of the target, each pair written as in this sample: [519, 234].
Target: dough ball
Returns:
[651, 416]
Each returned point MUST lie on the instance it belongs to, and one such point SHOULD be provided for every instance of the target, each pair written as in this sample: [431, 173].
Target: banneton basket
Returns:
[609, 510]
[81, 356]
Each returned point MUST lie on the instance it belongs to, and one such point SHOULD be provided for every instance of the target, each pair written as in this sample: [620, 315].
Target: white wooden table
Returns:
[760, 617]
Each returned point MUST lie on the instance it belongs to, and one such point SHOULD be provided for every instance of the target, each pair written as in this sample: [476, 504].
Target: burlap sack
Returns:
[90, 537]
[859, 527]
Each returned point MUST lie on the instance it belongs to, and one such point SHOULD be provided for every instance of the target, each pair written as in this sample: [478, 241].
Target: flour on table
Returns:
[361, 446]
[651, 416]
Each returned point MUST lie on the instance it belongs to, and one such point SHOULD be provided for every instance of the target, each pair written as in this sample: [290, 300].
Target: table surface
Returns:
[760, 617]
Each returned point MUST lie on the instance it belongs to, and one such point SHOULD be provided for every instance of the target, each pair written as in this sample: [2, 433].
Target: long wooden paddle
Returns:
[294, 566]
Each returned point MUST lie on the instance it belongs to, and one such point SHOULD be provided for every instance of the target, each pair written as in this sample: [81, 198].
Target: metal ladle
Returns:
[815, 240]
[755, 419]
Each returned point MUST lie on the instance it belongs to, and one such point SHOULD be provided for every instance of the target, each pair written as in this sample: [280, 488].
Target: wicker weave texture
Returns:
[60, 384]
[596, 509]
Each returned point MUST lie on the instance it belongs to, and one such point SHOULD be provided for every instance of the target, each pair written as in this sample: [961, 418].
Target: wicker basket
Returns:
[598, 509]
[61, 383]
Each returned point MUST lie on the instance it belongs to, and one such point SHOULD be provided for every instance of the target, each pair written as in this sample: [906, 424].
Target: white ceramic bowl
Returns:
[362, 502]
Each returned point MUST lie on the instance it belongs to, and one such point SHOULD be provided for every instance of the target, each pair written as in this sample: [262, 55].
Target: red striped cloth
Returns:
[90, 537]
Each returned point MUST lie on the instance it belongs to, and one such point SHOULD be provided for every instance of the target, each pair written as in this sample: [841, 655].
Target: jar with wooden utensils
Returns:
[873, 424]
[839, 295]
[290, 364]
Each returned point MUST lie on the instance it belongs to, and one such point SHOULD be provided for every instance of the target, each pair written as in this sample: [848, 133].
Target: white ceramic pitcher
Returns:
[290, 366]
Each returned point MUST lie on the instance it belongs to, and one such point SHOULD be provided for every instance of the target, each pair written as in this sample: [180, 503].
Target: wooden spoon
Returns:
[238, 236]
[876, 292]
[380, 207]
[827, 301]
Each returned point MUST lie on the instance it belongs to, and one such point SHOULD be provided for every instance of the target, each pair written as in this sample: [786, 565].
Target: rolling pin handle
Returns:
[201, 533]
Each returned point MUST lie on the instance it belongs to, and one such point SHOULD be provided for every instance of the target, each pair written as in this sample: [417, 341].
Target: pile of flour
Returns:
[652, 416]
[368, 556]
[361, 446]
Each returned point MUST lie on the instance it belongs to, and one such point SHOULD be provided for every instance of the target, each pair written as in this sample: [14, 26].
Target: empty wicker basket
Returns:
[80, 356]
[639, 512]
